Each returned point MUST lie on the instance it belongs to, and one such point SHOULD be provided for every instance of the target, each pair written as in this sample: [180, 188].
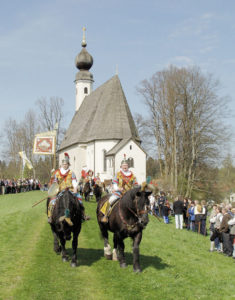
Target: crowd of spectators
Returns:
[12, 186]
[193, 215]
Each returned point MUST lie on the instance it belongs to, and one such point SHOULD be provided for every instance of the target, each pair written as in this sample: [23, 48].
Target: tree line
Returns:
[183, 133]
[184, 130]
[19, 136]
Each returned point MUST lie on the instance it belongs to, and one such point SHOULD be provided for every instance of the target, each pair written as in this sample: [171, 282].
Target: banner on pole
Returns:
[25, 159]
[44, 145]
[45, 142]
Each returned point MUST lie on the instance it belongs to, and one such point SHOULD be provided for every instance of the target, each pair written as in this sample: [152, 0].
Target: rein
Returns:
[137, 214]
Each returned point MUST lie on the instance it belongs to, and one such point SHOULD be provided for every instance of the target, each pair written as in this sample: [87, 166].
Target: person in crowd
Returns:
[216, 220]
[185, 215]
[2, 186]
[198, 211]
[152, 201]
[203, 230]
[178, 207]
[231, 223]
[212, 226]
[191, 218]
[161, 201]
[224, 229]
[166, 211]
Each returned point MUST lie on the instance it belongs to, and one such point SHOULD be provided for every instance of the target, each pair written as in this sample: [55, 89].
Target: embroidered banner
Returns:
[44, 145]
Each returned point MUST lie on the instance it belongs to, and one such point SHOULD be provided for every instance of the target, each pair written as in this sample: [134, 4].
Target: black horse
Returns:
[66, 219]
[128, 219]
[97, 190]
[87, 189]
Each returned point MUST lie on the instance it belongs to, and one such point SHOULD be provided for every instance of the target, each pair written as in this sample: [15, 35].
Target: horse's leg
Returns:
[74, 262]
[115, 254]
[63, 250]
[105, 235]
[57, 247]
[121, 255]
[136, 243]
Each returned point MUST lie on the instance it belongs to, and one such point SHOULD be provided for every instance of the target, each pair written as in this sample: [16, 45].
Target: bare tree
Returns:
[50, 113]
[185, 113]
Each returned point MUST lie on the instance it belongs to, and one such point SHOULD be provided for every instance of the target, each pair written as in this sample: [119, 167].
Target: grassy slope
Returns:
[176, 264]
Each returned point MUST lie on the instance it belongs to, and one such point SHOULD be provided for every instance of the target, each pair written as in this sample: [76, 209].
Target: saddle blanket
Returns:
[104, 207]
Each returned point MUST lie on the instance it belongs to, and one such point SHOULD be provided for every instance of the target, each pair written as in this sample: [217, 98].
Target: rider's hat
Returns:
[65, 160]
[124, 161]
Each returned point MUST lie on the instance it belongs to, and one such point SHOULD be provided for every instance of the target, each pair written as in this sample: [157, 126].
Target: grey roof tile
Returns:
[104, 114]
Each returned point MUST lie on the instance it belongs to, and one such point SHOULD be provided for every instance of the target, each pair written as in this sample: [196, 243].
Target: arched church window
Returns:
[85, 90]
[130, 162]
[104, 160]
[130, 147]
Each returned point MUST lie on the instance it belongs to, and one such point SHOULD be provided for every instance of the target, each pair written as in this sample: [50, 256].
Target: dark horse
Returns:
[128, 219]
[97, 192]
[87, 189]
[66, 219]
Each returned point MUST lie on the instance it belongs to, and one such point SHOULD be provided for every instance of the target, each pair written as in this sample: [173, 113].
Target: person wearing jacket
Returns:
[231, 223]
[216, 220]
[178, 207]
[191, 218]
[224, 229]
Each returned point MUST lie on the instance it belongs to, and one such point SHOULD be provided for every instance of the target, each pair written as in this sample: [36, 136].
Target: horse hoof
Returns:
[137, 270]
[74, 265]
[123, 265]
[65, 259]
[108, 256]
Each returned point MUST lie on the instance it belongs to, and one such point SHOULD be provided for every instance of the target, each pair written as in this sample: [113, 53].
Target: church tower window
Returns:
[85, 90]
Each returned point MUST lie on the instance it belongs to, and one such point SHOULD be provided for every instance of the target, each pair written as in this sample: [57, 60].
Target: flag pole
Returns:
[56, 129]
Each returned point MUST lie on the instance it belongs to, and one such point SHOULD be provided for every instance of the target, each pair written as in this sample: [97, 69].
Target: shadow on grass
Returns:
[86, 257]
[147, 261]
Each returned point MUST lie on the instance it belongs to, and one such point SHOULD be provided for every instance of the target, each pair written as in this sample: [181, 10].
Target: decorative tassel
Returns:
[67, 213]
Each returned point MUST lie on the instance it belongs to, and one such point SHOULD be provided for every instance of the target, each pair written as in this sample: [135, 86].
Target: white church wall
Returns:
[90, 156]
[100, 147]
[77, 155]
[131, 149]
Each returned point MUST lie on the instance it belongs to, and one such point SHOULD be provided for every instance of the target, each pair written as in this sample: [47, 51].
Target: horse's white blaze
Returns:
[115, 255]
[107, 250]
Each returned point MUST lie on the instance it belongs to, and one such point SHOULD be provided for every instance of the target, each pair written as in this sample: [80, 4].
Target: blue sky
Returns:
[39, 41]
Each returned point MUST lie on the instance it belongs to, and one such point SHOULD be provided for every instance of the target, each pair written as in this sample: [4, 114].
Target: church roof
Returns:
[103, 115]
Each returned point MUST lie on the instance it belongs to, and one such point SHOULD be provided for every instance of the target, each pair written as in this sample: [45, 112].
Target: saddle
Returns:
[104, 207]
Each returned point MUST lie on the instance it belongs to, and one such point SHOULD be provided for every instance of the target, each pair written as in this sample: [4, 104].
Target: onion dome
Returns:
[84, 60]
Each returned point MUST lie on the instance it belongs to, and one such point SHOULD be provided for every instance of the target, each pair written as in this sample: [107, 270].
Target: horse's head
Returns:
[141, 204]
[63, 213]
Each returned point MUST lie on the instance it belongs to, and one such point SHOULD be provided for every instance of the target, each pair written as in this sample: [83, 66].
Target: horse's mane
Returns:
[129, 196]
[63, 201]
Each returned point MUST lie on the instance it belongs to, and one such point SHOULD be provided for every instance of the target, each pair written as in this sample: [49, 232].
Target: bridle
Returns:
[138, 214]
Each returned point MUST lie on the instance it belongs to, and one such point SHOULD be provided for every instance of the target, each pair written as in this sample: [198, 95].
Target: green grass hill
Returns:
[176, 264]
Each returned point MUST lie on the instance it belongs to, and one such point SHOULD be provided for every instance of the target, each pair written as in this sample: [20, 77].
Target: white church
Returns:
[102, 130]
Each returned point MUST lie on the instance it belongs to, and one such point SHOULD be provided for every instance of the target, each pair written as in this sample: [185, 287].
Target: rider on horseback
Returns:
[66, 180]
[124, 181]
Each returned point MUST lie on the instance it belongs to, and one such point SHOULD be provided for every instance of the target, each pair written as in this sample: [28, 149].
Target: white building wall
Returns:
[80, 87]
[131, 149]
[77, 155]
[90, 161]
[100, 146]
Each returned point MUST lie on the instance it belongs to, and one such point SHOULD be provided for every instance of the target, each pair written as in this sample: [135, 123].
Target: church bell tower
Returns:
[84, 79]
